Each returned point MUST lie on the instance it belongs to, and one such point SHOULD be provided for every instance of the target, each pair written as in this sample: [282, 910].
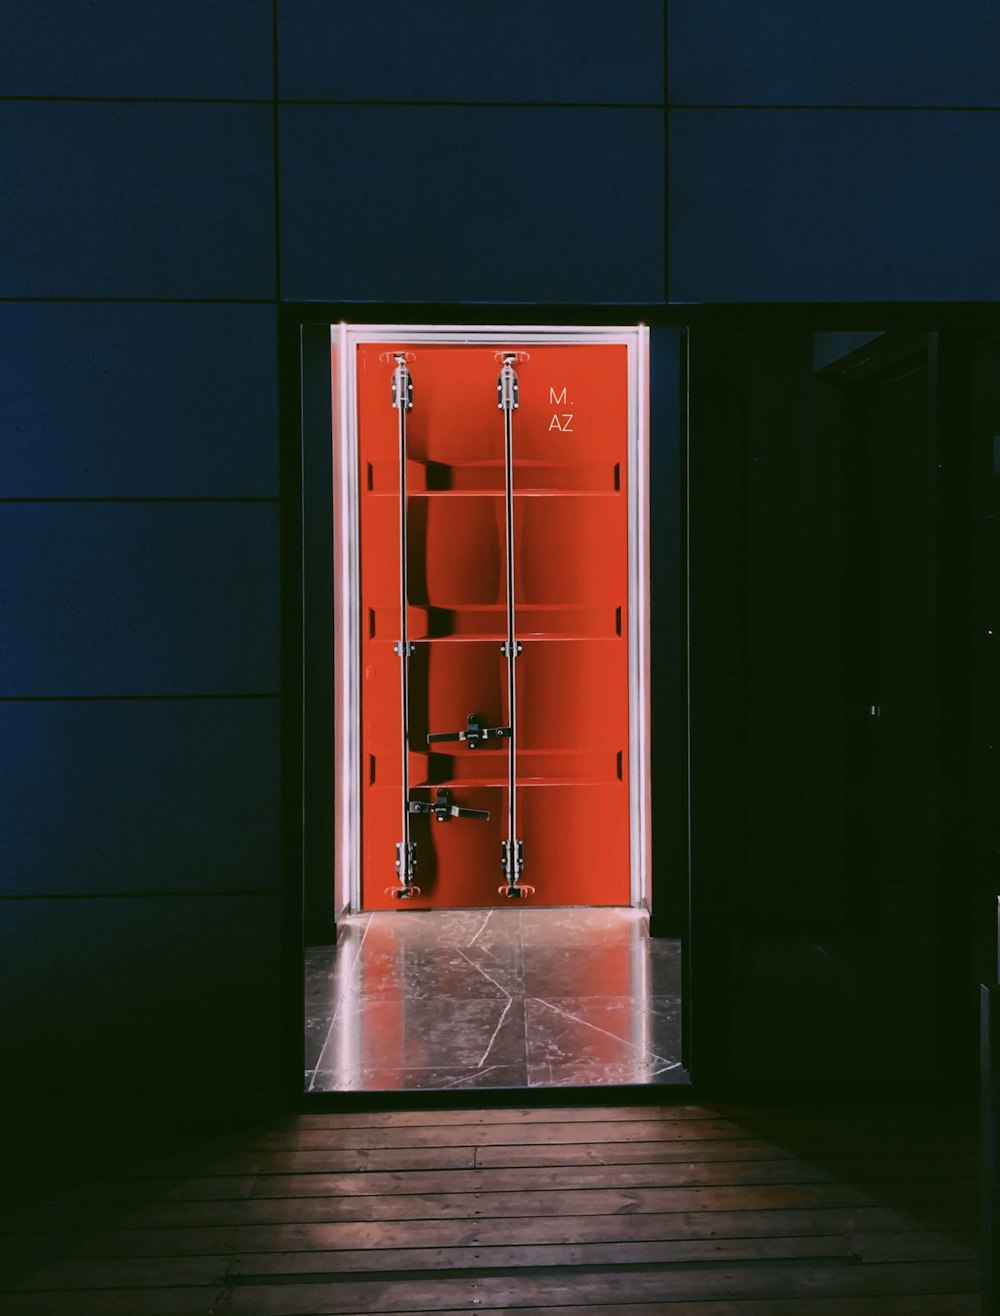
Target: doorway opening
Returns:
[842, 490]
[490, 888]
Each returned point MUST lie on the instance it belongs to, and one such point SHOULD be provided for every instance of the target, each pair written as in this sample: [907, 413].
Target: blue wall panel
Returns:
[469, 203]
[139, 795]
[124, 48]
[785, 52]
[472, 204]
[138, 995]
[128, 400]
[112, 200]
[126, 598]
[834, 205]
[562, 50]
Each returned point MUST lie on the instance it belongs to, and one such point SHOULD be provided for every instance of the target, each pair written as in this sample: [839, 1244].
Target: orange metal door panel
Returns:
[570, 527]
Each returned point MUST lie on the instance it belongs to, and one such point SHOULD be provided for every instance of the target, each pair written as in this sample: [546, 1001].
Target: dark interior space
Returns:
[842, 503]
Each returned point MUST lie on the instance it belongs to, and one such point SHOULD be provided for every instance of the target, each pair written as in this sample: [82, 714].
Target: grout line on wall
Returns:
[823, 105]
[666, 151]
[138, 100]
[222, 894]
[148, 301]
[141, 699]
[275, 156]
[69, 1092]
[362, 103]
[664, 104]
[475, 105]
[127, 498]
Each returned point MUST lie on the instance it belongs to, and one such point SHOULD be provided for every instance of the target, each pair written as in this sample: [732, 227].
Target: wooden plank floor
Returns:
[691, 1210]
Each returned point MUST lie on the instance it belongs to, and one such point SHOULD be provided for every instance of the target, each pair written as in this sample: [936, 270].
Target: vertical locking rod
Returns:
[512, 848]
[406, 849]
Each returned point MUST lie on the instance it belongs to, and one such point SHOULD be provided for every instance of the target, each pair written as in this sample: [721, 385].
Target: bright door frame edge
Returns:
[344, 339]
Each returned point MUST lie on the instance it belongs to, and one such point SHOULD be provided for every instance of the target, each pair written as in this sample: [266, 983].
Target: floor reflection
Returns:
[502, 998]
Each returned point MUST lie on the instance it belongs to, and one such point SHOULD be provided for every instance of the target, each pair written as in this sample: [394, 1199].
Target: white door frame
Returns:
[345, 339]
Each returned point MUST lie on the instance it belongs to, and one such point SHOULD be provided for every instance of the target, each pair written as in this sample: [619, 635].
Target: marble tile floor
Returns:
[503, 998]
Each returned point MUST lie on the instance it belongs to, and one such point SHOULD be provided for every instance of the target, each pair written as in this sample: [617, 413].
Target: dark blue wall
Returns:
[837, 152]
[140, 649]
[459, 153]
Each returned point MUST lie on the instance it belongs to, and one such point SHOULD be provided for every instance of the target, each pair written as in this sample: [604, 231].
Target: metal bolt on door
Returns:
[494, 581]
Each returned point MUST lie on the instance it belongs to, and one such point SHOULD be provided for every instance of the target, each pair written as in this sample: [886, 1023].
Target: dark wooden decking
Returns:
[691, 1210]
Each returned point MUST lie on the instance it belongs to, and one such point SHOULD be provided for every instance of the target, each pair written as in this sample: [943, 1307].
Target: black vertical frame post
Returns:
[317, 765]
[714, 500]
[667, 696]
[859, 656]
[668, 705]
[951, 401]
[989, 1115]
[290, 454]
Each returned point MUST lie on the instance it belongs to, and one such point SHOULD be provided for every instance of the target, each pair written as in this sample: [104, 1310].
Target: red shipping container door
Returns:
[570, 529]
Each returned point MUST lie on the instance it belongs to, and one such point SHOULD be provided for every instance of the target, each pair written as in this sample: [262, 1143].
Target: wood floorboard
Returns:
[855, 1116]
[843, 1158]
[231, 1176]
[666, 1130]
[480, 1207]
[838, 1158]
[940, 1305]
[548, 1290]
[522, 1116]
[95, 1192]
[192, 1302]
[692, 1152]
[179, 1302]
[462, 1168]
[751, 1164]
[871, 1229]
[698, 1146]
[691, 1211]
[209, 1269]
[570, 1179]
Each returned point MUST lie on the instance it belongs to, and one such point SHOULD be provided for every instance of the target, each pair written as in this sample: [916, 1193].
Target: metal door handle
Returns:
[443, 809]
[473, 735]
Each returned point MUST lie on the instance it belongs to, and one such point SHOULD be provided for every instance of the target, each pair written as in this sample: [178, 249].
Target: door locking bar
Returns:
[512, 859]
[474, 735]
[443, 809]
[406, 867]
[406, 849]
[512, 847]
